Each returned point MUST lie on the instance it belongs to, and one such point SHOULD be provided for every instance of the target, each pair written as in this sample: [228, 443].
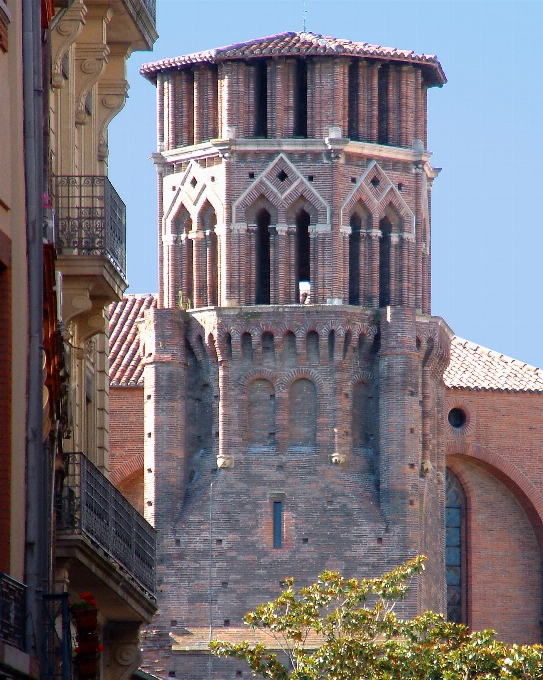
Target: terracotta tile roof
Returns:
[300, 43]
[473, 367]
[125, 369]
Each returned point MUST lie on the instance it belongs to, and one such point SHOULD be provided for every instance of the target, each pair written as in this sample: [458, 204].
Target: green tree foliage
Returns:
[346, 629]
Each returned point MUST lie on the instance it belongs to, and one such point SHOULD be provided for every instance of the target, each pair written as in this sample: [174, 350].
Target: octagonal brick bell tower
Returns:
[293, 362]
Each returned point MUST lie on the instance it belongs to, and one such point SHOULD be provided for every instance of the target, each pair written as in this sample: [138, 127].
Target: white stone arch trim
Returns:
[361, 377]
[193, 199]
[282, 199]
[258, 374]
[377, 199]
[284, 383]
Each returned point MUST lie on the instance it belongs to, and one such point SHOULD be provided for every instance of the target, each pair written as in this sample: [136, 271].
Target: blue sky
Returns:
[485, 129]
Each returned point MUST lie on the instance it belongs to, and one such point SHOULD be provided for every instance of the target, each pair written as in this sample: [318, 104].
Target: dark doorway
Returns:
[354, 260]
[384, 261]
[263, 220]
[303, 250]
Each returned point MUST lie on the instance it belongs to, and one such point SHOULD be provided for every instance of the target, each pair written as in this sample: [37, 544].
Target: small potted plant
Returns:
[85, 612]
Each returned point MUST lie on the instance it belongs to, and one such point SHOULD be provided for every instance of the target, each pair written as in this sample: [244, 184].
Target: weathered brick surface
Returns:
[497, 457]
[335, 410]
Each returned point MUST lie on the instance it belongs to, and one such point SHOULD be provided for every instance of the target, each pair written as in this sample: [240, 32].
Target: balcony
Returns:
[12, 612]
[91, 219]
[133, 22]
[109, 548]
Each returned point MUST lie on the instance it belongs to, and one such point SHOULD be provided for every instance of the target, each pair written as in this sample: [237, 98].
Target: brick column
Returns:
[327, 103]
[292, 294]
[313, 264]
[393, 106]
[200, 82]
[226, 445]
[282, 264]
[164, 419]
[274, 266]
[394, 273]
[345, 233]
[279, 125]
[173, 98]
[250, 265]
[364, 98]
[420, 274]
[373, 102]
[211, 268]
[374, 265]
[184, 108]
[362, 271]
[399, 448]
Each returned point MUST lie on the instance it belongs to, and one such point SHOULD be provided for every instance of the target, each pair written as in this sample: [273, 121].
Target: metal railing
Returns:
[91, 506]
[12, 611]
[91, 218]
[57, 639]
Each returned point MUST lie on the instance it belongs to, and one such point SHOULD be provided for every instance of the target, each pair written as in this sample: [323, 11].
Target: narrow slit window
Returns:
[382, 105]
[263, 221]
[303, 254]
[353, 101]
[384, 262]
[354, 260]
[278, 524]
[300, 99]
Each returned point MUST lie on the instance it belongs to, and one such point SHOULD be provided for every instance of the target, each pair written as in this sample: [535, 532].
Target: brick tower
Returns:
[293, 370]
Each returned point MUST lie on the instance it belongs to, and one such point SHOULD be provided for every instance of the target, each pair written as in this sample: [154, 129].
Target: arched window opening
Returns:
[205, 417]
[363, 424]
[268, 349]
[455, 552]
[261, 413]
[290, 354]
[302, 413]
[189, 274]
[312, 347]
[354, 260]
[382, 104]
[385, 241]
[300, 99]
[353, 101]
[246, 348]
[303, 253]
[228, 340]
[347, 343]
[331, 345]
[263, 221]
[261, 99]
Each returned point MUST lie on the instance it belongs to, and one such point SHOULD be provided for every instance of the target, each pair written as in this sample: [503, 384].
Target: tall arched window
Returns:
[303, 249]
[262, 256]
[354, 260]
[290, 356]
[208, 218]
[261, 413]
[302, 413]
[455, 551]
[385, 225]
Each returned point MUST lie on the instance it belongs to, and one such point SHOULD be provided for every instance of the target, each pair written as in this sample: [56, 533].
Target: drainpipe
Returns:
[36, 464]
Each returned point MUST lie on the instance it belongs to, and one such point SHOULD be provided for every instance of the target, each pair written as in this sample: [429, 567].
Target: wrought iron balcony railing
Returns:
[12, 611]
[91, 218]
[90, 506]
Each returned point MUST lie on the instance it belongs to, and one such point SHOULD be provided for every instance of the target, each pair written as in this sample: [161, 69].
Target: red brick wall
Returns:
[126, 442]
[498, 457]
